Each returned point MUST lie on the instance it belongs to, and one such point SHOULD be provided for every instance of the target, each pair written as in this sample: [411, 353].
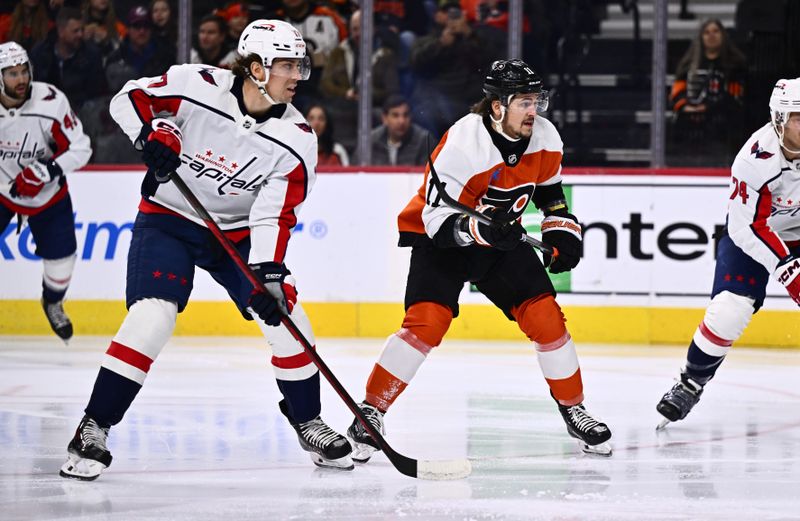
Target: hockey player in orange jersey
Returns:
[496, 159]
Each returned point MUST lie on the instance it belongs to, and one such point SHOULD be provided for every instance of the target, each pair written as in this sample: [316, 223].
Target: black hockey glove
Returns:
[161, 148]
[504, 233]
[563, 232]
[281, 295]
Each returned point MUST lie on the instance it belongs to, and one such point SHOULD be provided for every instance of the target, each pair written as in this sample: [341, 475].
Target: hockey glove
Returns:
[564, 233]
[281, 295]
[787, 273]
[33, 177]
[505, 233]
[162, 148]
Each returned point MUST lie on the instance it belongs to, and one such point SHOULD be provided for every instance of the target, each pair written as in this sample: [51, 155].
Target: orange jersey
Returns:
[474, 172]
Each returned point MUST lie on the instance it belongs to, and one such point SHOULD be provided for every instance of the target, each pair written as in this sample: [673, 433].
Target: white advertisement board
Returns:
[648, 240]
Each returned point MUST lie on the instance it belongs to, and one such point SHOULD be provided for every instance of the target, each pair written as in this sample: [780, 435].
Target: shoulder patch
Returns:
[206, 75]
[759, 152]
[51, 95]
[304, 127]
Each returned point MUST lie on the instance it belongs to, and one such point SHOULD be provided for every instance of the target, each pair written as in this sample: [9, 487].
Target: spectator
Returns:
[165, 27]
[101, 26]
[323, 29]
[237, 16]
[28, 24]
[329, 152]
[69, 63]
[447, 65]
[340, 75]
[212, 48]
[399, 141]
[707, 94]
[139, 54]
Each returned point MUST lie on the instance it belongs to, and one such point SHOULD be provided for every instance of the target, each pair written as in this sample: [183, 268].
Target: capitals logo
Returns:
[759, 152]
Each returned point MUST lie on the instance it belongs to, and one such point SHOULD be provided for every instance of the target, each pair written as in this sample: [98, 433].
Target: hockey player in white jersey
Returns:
[497, 159]
[250, 157]
[41, 140]
[761, 239]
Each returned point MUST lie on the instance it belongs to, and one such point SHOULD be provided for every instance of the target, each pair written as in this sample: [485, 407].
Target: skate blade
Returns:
[362, 452]
[662, 425]
[343, 463]
[601, 449]
[81, 468]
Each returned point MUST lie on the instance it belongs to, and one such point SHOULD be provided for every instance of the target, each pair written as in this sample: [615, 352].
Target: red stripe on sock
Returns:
[292, 362]
[711, 337]
[130, 356]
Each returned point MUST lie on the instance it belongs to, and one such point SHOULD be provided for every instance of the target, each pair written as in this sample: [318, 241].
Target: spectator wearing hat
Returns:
[66, 61]
[237, 16]
[139, 54]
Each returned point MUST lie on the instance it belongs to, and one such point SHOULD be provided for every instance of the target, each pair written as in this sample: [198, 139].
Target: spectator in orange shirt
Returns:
[28, 24]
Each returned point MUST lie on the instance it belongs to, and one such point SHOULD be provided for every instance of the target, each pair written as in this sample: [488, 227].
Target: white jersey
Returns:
[44, 127]
[764, 207]
[474, 172]
[245, 172]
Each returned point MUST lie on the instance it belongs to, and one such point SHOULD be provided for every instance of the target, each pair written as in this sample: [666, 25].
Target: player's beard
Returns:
[12, 94]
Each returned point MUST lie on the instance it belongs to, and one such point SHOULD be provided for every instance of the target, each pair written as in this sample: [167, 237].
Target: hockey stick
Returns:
[478, 216]
[423, 469]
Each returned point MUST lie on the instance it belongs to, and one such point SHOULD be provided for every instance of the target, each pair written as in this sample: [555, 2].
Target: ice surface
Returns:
[205, 440]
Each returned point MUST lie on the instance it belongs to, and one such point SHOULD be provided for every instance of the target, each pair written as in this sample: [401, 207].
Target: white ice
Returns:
[205, 440]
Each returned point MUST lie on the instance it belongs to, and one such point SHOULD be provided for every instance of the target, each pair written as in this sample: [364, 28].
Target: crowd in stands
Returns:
[427, 63]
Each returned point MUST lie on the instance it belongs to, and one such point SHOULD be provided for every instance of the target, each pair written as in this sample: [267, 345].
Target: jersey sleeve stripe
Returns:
[295, 194]
[61, 140]
[761, 228]
[146, 106]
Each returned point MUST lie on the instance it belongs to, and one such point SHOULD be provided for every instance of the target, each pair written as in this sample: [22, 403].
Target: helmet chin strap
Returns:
[497, 124]
[262, 85]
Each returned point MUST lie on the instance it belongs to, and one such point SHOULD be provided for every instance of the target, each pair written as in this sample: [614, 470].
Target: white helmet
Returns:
[272, 39]
[11, 55]
[785, 99]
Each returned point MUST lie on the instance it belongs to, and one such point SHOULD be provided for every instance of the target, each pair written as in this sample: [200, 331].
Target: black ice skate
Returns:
[591, 434]
[59, 321]
[363, 444]
[87, 453]
[327, 448]
[679, 400]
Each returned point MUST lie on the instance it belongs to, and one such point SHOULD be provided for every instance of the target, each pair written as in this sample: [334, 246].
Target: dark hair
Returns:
[65, 14]
[730, 56]
[326, 138]
[394, 101]
[483, 107]
[222, 25]
[241, 67]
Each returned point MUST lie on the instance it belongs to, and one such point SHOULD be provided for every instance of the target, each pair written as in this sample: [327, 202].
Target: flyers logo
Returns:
[514, 200]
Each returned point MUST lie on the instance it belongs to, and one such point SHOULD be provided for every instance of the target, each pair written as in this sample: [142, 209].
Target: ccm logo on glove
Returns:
[33, 177]
[162, 149]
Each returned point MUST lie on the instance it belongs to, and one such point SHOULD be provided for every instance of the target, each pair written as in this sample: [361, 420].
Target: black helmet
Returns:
[509, 77]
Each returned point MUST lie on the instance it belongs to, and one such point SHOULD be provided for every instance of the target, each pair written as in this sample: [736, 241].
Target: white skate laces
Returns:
[316, 432]
[93, 434]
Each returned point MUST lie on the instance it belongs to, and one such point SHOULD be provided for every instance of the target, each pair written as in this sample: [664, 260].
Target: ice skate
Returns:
[363, 444]
[87, 453]
[327, 448]
[591, 434]
[59, 321]
[679, 400]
